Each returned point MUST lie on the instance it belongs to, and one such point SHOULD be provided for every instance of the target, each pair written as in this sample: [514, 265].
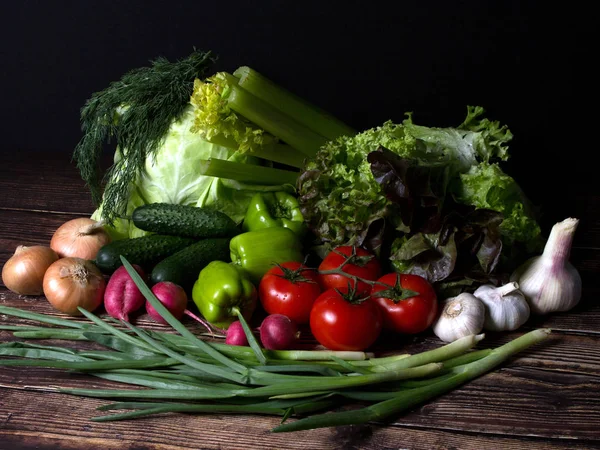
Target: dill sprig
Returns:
[136, 112]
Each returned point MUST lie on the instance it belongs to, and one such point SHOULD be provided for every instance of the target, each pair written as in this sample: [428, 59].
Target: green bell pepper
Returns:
[222, 287]
[257, 251]
[274, 209]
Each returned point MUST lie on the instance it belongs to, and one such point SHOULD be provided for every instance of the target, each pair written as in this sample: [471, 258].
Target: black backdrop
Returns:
[527, 63]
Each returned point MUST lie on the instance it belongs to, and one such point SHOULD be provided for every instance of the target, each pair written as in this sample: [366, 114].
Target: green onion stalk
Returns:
[183, 373]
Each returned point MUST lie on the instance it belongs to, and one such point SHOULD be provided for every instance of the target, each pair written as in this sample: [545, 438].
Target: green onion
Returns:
[210, 369]
[407, 399]
[49, 333]
[215, 409]
[254, 345]
[445, 352]
[171, 320]
[332, 383]
[43, 318]
[118, 333]
[38, 354]
[199, 393]
[89, 365]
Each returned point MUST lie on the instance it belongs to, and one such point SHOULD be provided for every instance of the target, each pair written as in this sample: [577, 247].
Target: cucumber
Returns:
[183, 267]
[145, 251]
[183, 220]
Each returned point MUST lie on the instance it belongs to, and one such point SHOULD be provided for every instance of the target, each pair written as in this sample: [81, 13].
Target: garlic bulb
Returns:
[505, 306]
[550, 282]
[461, 316]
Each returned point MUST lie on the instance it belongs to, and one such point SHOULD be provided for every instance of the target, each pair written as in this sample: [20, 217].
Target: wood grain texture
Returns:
[463, 415]
[43, 181]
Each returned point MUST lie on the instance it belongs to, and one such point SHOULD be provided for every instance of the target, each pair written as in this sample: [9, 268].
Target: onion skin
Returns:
[24, 272]
[70, 283]
[79, 238]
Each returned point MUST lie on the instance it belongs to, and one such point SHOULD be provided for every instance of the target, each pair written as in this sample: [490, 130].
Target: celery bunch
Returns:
[250, 113]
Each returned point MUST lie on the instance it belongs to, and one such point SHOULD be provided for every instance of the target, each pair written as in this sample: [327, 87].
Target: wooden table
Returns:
[546, 398]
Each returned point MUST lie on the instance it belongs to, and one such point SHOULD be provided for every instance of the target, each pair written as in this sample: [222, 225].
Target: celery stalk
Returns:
[274, 121]
[297, 108]
[246, 173]
[280, 153]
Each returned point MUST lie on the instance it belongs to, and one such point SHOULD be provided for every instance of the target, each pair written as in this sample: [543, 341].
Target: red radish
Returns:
[235, 334]
[278, 332]
[175, 299]
[122, 296]
[172, 296]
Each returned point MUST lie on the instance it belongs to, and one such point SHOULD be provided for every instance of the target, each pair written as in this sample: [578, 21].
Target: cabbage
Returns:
[171, 175]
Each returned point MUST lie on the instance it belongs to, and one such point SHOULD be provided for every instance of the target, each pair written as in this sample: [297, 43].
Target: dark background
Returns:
[527, 63]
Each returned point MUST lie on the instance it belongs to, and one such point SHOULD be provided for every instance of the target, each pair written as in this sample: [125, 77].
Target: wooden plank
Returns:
[43, 181]
[27, 228]
[520, 403]
[233, 433]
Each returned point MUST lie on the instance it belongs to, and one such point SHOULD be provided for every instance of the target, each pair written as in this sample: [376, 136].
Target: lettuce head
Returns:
[424, 197]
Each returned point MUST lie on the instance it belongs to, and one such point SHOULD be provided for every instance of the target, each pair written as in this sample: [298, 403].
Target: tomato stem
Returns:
[393, 292]
[396, 293]
[294, 275]
[354, 259]
[352, 296]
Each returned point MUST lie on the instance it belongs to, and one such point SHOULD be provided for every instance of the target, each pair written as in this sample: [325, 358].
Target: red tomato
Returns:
[341, 324]
[358, 262]
[289, 289]
[412, 314]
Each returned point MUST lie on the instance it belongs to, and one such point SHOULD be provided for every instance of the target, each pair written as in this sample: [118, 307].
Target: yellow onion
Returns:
[79, 238]
[24, 272]
[73, 282]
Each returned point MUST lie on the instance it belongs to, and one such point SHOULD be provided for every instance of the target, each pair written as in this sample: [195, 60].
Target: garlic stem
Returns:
[558, 247]
[508, 288]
